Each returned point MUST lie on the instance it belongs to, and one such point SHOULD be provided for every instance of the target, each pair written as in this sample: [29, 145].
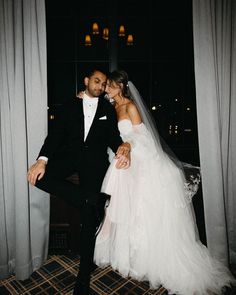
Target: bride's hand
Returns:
[123, 156]
[124, 149]
[123, 162]
[80, 94]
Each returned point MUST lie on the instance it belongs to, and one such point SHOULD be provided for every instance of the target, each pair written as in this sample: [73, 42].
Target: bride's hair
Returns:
[121, 77]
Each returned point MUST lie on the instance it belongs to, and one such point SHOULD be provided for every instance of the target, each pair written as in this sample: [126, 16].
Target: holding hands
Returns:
[123, 156]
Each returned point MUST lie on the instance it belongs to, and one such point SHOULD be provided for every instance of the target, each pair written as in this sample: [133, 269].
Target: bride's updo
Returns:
[119, 77]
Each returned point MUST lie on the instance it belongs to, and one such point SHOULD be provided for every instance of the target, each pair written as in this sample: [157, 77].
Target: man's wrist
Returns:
[43, 158]
[42, 161]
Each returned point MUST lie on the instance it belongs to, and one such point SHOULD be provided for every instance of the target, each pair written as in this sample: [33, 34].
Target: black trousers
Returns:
[91, 170]
[91, 174]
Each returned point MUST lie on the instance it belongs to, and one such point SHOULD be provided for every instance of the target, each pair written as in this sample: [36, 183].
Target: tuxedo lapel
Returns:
[81, 119]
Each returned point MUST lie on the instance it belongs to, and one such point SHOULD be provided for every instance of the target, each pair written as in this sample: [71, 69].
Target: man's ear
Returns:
[86, 80]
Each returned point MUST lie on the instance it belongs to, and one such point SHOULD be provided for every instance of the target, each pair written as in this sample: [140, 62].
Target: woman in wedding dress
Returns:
[149, 232]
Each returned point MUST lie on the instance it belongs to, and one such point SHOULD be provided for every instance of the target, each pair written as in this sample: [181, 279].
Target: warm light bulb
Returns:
[87, 40]
[105, 34]
[130, 40]
[121, 31]
[95, 29]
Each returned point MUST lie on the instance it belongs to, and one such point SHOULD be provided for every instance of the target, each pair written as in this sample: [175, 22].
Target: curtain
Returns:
[214, 32]
[24, 210]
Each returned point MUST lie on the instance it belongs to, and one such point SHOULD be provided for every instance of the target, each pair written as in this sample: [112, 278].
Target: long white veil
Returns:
[150, 124]
[191, 184]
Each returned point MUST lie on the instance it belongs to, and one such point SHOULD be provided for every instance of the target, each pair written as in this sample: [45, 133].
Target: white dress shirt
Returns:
[89, 108]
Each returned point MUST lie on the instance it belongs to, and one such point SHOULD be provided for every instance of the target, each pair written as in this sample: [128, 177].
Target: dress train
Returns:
[150, 231]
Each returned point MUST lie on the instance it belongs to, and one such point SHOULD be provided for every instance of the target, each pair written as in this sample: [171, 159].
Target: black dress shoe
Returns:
[93, 267]
[81, 288]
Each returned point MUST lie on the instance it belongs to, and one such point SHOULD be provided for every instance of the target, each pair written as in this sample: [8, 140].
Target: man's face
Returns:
[95, 85]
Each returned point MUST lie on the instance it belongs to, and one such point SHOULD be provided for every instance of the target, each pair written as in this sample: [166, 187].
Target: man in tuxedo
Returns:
[78, 142]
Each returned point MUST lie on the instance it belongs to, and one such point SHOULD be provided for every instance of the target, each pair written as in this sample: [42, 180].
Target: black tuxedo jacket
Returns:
[67, 134]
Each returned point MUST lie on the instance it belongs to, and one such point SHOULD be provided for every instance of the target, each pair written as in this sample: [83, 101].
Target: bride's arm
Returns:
[140, 138]
[133, 114]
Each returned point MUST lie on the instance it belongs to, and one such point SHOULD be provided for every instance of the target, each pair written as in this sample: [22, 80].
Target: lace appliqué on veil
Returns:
[191, 186]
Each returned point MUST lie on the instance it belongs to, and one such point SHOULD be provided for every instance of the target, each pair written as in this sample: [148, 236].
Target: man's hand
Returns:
[123, 156]
[36, 171]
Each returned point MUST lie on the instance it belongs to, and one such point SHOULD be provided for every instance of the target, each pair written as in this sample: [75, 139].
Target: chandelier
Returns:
[105, 34]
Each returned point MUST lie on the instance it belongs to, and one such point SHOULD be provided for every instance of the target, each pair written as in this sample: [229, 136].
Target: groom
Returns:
[78, 142]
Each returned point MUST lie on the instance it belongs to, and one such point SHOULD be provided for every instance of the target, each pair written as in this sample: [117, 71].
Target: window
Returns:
[159, 61]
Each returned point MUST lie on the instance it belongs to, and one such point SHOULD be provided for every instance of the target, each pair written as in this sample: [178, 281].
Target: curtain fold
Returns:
[214, 32]
[24, 210]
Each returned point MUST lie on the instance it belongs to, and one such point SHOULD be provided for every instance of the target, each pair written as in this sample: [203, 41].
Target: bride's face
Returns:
[113, 89]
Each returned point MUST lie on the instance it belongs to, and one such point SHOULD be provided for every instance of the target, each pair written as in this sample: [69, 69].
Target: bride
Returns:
[149, 232]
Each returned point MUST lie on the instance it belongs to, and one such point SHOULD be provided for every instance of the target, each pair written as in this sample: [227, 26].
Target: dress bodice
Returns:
[125, 126]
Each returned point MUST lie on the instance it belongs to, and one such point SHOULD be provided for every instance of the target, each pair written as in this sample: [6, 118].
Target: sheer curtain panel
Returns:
[24, 210]
[214, 30]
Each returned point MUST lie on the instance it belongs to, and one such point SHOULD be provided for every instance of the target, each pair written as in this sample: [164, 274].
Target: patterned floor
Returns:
[57, 276]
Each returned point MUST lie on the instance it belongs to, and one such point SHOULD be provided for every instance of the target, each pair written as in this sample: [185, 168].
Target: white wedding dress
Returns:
[149, 232]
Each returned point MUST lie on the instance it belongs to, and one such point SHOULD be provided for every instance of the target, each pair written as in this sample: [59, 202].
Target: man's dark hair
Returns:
[92, 71]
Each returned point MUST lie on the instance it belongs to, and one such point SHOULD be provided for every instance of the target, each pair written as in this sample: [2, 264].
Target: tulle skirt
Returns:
[150, 231]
